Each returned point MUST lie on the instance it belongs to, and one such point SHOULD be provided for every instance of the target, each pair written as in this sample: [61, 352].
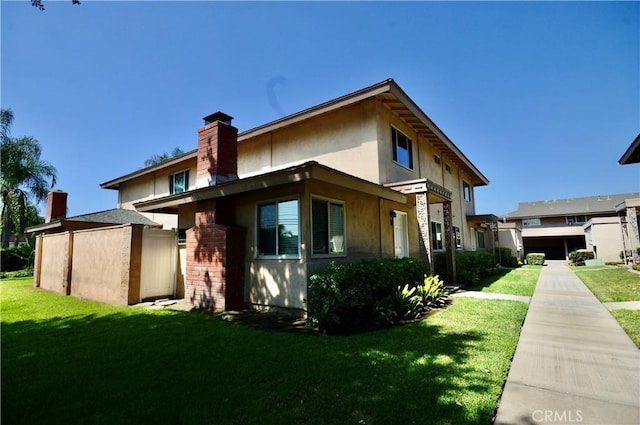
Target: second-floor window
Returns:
[466, 191]
[576, 219]
[279, 229]
[402, 148]
[530, 222]
[179, 182]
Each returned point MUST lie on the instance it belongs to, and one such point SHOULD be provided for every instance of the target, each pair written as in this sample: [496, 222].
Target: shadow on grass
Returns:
[487, 280]
[188, 368]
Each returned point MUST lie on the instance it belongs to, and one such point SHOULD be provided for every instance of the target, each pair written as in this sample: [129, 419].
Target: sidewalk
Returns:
[573, 364]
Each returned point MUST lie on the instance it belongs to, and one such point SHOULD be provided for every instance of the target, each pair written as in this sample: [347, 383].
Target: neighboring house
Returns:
[558, 227]
[364, 176]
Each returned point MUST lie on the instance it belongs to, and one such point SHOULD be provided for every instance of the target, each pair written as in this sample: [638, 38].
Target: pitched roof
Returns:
[571, 206]
[390, 94]
[109, 217]
[114, 216]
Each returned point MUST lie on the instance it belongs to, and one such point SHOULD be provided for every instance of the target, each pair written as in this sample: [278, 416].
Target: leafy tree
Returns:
[38, 3]
[158, 158]
[25, 179]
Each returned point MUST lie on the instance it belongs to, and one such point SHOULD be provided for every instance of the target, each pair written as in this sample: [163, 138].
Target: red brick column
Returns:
[215, 261]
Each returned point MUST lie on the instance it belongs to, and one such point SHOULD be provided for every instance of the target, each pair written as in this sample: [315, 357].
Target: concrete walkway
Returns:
[490, 296]
[574, 364]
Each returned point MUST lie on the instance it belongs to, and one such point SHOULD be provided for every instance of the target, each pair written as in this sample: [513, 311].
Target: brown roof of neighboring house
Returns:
[571, 206]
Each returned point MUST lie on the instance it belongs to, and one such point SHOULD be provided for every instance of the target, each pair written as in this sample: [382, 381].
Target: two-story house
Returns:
[367, 175]
[558, 227]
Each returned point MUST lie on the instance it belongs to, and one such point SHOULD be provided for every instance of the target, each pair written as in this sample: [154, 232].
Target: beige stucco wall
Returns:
[368, 232]
[155, 185]
[510, 236]
[55, 262]
[604, 236]
[335, 139]
[104, 266]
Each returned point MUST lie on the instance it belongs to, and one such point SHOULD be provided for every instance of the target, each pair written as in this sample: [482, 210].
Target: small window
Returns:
[436, 236]
[179, 182]
[530, 222]
[466, 191]
[327, 222]
[447, 167]
[402, 148]
[458, 237]
[182, 236]
[576, 219]
[437, 160]
[278, 229]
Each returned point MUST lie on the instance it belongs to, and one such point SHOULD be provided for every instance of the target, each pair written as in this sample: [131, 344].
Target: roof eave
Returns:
[115, 183]
[397, 91]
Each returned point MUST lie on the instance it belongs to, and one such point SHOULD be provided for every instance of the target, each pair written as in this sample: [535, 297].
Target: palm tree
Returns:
[23, 177]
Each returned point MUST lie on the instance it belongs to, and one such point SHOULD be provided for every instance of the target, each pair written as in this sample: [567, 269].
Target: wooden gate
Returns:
[158, 264]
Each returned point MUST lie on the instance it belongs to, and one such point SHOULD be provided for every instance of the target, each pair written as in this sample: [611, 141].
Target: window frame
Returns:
[466, 189]
[328, 202]
[437, 159]
[575, 219]
[394, 148]
[481, 236]
[531, 222]
[277, 256]
[172, 181]
[434, 241]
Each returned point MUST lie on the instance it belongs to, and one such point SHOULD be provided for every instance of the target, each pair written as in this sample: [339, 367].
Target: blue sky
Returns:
[543, 97]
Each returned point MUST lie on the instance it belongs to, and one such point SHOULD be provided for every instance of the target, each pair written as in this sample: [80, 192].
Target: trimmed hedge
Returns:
[349, 297]
[508, 260]
[535, 259]
[471, 266]
[578, 258]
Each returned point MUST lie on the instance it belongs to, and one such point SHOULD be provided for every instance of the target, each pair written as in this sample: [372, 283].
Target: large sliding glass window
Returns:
[327, 222]
[279, 229]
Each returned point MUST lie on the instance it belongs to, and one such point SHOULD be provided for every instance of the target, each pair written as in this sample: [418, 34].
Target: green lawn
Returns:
[613, 284]
[69, 361]
[520, 281]
[610, 284]
[630, 322]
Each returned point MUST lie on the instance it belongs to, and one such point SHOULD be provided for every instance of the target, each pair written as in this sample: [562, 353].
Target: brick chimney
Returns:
[56, 205]
[217, 151]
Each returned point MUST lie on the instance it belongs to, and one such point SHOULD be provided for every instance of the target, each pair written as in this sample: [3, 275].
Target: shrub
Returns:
[508, 260]
[471, 266]
[16, 258]
[433, 292]
[535, 259]
[579, 257]
[613, 263]
[412, 302]
[636, 267]
[347, 297]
